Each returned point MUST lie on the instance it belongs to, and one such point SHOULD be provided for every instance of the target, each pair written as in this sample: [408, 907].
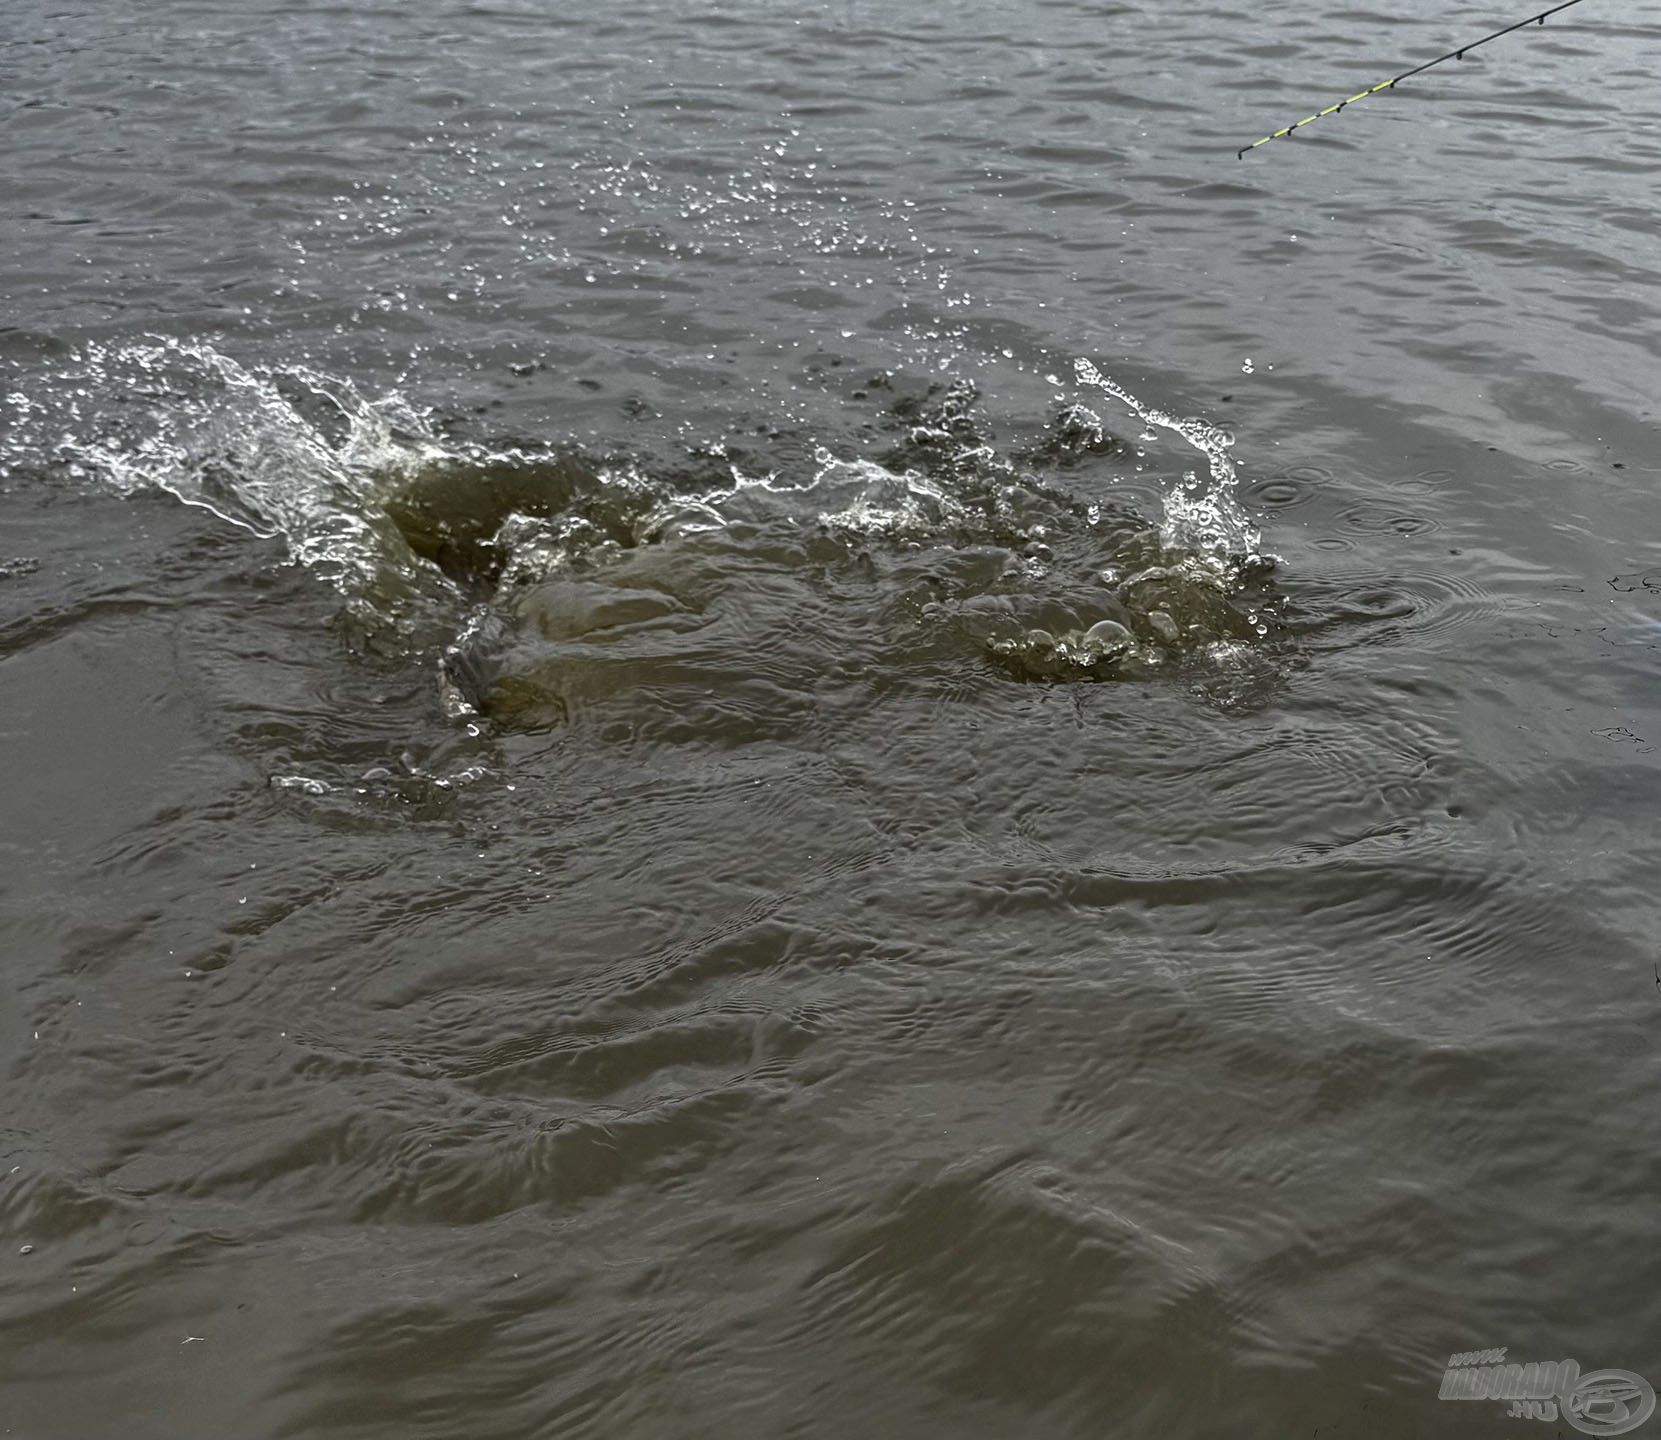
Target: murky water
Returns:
[793, 720]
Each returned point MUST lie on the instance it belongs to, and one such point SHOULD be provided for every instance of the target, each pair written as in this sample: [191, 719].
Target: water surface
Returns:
[636, 807]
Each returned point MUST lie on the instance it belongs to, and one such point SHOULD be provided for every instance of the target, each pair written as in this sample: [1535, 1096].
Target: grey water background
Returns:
[566, 892]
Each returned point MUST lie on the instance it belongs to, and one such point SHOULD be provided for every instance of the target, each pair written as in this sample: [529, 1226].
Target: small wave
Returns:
[1373, 607]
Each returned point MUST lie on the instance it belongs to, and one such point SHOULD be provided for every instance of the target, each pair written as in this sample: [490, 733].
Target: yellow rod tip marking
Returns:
[1390, 84]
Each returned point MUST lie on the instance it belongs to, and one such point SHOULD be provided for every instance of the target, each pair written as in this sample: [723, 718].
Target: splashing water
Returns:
[284, 453]
[1206, 522]
[578, 580]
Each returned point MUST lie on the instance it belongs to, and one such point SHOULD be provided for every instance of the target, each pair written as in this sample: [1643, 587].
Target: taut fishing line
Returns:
[1458, 54]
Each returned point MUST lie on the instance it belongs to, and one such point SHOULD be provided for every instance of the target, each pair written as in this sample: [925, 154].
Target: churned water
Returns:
[793, 720]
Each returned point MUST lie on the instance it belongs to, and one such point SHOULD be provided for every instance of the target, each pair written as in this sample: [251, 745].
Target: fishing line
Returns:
[1458, 54]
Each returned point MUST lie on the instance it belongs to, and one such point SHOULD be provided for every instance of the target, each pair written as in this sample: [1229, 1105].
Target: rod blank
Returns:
[1458, 54]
